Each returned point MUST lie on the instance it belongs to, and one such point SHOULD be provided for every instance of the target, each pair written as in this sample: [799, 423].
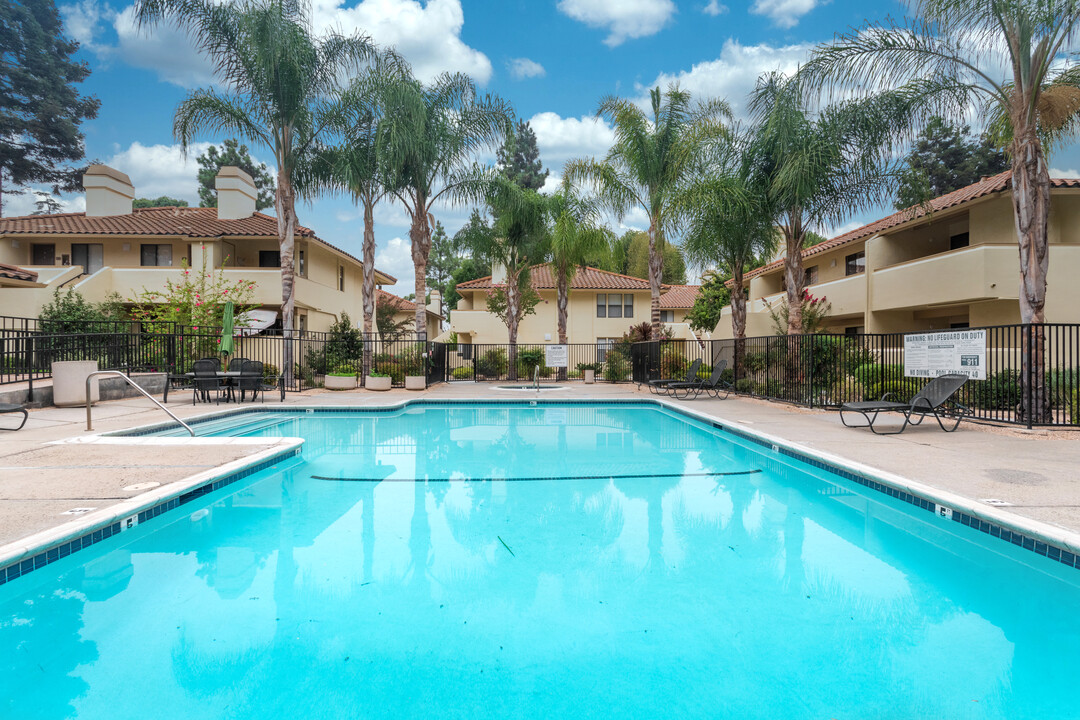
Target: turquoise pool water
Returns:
[550, 561]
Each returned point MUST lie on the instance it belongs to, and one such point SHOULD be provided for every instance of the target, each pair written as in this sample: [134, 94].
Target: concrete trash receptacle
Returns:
[69, 382]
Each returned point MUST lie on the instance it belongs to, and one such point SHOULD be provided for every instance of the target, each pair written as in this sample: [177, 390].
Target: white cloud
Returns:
[784, 13]
[25, 204]
[560, 139]
[623, 19]
[157, 170]
[428, 36]
[732, 75]
[714, 8]
[1070, 173]
[521, 68]
[395, 258]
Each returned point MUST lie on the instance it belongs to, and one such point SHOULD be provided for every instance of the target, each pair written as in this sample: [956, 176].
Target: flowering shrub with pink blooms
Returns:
[814, 312]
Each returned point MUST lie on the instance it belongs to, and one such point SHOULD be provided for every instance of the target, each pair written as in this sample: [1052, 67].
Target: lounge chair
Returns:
[714, 385]
[934, 399]
[9, 408]
[660, 386]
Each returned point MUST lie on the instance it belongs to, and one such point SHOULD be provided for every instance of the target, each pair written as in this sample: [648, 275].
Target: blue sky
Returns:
[552, 59]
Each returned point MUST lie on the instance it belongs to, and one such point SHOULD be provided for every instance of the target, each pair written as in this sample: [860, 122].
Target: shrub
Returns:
[270, 372]
[1000, 391]
[411, 361]
[616, 366]
[529, 358]
[595, 367]
[492, 363]
[393, 369]
[343, 370]
[755, 362]
[673, 363]
[1074, 407]
[462, 373]
[745, 385]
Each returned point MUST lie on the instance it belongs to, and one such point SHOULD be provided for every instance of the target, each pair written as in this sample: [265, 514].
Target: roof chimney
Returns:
[498, 273]
[235, 194]
[435, 302]
[108, 191]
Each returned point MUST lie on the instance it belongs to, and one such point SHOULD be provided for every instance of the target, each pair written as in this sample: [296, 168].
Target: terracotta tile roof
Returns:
[679, 297]
[584, 279]
[988, 186]
[194, 222]
[17, 273]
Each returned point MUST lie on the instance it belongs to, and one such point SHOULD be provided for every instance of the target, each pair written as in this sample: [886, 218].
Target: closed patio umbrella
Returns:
[227, 329]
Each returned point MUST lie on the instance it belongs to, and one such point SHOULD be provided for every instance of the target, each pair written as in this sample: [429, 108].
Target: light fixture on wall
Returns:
[14, 243]
[833, 263]
[126, 247]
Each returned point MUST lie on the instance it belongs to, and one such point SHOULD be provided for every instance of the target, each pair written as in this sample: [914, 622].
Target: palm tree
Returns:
[1006, 59]
[428, 142]
[647, 161]
[820, 168]
[519, 238]
[276, 74]
[576, 237]
[725, 209]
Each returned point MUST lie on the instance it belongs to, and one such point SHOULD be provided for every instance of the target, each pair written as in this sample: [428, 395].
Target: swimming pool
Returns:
[558, 560]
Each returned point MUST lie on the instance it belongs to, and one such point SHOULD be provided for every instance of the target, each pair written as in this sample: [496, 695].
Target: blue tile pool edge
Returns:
[50, 551]
[1056, 544]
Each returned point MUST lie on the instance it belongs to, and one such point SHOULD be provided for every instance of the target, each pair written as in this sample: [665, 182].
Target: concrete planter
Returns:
[340, 382]
[415, 382]
[69, 382]
[377, 383]
[590, 376]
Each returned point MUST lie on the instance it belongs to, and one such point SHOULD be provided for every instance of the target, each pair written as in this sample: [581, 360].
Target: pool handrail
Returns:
[129, 381]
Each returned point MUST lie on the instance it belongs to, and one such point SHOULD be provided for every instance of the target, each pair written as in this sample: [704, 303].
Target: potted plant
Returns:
[589, 370]
[377, 380]
[413, 363]
[342, 377]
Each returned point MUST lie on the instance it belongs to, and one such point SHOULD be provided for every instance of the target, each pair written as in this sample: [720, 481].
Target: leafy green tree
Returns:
[576, 236]
[709, 304]
[390, 328]
[163, 201]
[637, 260]
[1015, 63]
[648, 160]
[276, 77]
[819, 168]
[811, 238]
[233, 154]
[443, 262]
[519, 158]
[428, 145]
[945, 158]
[70, 312]
[41, 109]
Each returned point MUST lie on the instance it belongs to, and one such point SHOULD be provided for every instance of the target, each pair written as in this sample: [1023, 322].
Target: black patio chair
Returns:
[250, 380]
[660, 386]
[713, 385]
[9, 408]
[206, 380]
[236, 364]
[934, 399]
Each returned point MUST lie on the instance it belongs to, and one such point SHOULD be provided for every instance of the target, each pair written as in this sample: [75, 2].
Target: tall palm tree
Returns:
[820, 168]
[576, 237]
[1009, 59]
[518, 239]
[647, 161]
[428, 143]
[275, 74]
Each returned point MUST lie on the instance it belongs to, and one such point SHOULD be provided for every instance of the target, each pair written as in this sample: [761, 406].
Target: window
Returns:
[614, 305]
[602, 346]
[341, 278]
[810, 276]
[42, 254]
[855, 264]
[667, 316]
[301, 263]
[89, 255]
[856, 330]
[156, 255]
[962, 240]
[628, 306]
[269, 258]
[959, 325]
[601, 305]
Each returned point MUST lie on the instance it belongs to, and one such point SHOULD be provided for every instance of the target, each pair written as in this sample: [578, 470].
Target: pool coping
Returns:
[42, 548]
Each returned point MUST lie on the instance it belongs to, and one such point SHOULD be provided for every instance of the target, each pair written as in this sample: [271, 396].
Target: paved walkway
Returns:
[1038, 473]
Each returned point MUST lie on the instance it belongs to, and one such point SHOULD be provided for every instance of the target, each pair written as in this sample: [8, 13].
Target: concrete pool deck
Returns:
[43, 474]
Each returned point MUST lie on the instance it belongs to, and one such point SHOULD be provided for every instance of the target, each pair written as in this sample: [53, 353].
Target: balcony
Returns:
[129, 282]
[847, 295]
[974, 274]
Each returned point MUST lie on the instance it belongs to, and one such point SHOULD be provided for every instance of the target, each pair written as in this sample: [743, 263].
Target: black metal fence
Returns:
[506, 363]
[828, 370]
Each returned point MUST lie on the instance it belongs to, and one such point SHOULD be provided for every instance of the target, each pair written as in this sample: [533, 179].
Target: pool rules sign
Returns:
[960, 352]
[556, 356]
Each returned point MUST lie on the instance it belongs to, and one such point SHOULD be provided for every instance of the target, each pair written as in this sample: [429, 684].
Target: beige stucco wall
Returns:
[473, 323]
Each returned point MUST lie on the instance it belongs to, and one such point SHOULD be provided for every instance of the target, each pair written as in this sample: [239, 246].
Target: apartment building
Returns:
[113, 248]
[953, 263]
[602, 307]
[405, 311]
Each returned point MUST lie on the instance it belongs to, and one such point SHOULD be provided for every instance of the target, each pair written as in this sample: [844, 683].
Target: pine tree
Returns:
[443, 262]
[45, 204]
[232, 153]
[946, 158]
[519, 158]
[40, 108]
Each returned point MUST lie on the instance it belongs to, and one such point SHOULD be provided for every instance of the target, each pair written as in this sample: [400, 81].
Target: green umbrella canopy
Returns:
[227, 329]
